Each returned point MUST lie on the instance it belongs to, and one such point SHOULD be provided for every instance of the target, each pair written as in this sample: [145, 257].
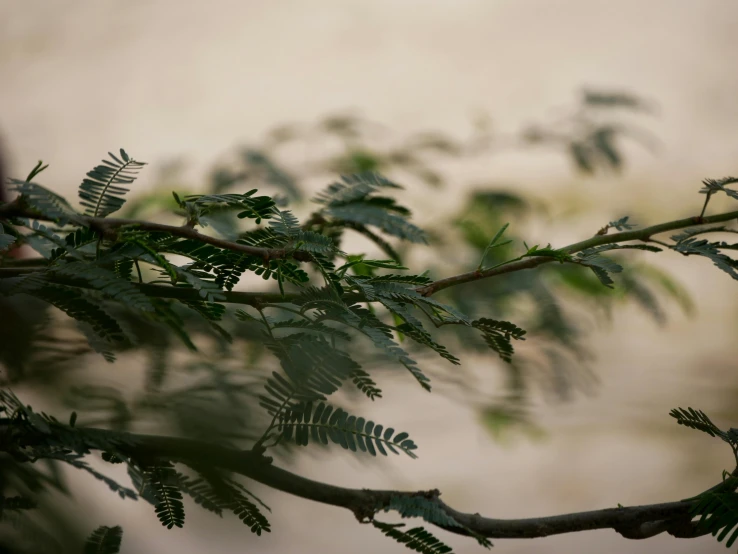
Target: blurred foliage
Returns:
[205, 374]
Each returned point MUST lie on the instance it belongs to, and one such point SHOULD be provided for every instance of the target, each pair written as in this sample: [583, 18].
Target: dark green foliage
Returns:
[718, 515]
[622, 224]
[162, 481]
[697, 419]
[285, 223]
[419, 505]
[107, 282]
[365, 384]
[417, 538]
[81, 241]
[248, 205]
[600, 265]
[330, 307]
[77, 303]
[102, 192]
[313, 366]
[497, 335]
[44, 201]
[353, 201]
[104, 540]
[218, 495]
[74, 461]
[710, 250]
[302, 424]
[300, 341]
[718, 185]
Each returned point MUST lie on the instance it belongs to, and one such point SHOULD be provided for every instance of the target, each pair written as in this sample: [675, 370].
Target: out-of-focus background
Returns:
[187, 82]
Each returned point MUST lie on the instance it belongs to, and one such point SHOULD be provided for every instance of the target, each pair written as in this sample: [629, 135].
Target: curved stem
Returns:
[634, 522]
[598, 240]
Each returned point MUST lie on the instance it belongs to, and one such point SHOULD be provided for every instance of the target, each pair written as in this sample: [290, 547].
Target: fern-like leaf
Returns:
[44, 201]
[218, 495]
[312, 364]
[77, 304]
[365, 384]
[302, 424]
[104, 540]
[497, 335]
[420, 506]
[169, 507]
[414, 329]
[697, 419]
[353, 188]
[600, 265]
[285, 223]
[702, 247]
[378, 216]
[102, 192]
[718, 513]
[718, 185]
[106, 282]
[352, 201]
[417, 538]
[249, 206]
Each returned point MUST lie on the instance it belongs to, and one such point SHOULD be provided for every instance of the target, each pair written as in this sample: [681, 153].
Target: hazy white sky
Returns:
[166, 78]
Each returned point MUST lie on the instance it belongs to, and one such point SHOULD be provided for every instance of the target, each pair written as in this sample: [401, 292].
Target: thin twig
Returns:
[598, 240]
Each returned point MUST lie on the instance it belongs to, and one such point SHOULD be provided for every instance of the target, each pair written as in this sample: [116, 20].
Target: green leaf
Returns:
[36, 170]
[76, 303]
[169, 507]
[494, 243]
[718, 185]
[417, 538]
[622, 224]
[44, 201]
[718, 513]
[249, 206]
[102, 192]
[106, 282]
[285, 223]
[377, 216]
[353, 201]
[497, 335]
[697, 419]
[302, 424]
[702, 247]
[104, 540]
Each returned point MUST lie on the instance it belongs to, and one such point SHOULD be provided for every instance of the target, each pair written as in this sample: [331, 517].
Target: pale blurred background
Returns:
[191, 80]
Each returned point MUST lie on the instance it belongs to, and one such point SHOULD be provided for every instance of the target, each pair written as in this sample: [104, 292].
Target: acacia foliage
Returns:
[134, 284]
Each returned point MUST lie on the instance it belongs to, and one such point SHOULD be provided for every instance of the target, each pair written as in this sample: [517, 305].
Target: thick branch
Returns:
[636, 522]
[598, 240]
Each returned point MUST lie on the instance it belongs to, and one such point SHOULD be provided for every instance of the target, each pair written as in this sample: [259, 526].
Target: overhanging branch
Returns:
[598, 240]
[635, 522]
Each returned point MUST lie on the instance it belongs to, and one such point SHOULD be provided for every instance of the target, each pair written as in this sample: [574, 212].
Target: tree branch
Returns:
[598, 240]
[635, 522]
[107, 226]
